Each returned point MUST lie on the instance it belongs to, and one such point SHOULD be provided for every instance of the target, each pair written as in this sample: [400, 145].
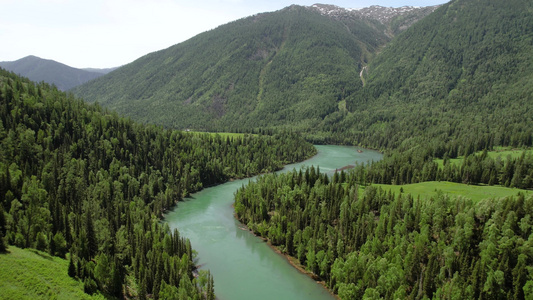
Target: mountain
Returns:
[101, 71]
[396, 19]
[463, 75]
[53, 72]
[458, 80]
[294, 66]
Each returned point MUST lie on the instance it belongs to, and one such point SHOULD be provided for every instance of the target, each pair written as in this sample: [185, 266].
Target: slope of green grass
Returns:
[223, 135]
[474, 192]
[32, 274]
[502, 152]
[453, 161]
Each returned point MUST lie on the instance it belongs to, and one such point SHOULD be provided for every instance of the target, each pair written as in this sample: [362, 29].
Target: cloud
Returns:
[102, 33]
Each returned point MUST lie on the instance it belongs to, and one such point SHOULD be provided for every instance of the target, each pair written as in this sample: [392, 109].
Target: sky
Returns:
[111, 33]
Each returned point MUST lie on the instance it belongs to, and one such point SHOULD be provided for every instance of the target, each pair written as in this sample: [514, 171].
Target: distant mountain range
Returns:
[53, 72]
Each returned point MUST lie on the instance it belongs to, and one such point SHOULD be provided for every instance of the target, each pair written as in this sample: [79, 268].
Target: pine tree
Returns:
[91, 236]
[3, 246]
[71, 268]
[210, 287]
[117, 279]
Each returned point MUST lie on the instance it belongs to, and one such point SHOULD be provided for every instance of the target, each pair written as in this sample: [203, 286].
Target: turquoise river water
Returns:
[243, 266]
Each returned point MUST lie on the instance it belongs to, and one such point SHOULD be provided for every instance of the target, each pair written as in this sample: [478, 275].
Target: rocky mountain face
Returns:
[396, 19]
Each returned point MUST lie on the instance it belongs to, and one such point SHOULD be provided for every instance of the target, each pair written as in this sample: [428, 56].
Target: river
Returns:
[243, 266]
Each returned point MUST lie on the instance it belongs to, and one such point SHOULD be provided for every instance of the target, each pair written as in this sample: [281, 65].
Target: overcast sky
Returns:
[110, 33]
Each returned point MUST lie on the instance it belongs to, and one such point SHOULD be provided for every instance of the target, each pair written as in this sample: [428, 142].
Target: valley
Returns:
[243, 266]
[166, 178]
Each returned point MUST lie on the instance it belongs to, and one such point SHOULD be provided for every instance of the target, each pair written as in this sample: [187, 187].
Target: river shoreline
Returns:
[243, 266]
[293, 261]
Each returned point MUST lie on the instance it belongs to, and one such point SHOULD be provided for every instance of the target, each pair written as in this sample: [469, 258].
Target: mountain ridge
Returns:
[50, 71]
[465, 62]
[256, 71]
[446, 79]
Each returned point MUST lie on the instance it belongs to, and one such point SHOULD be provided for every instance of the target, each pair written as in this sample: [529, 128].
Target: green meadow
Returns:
[502, 152]
[32, 274]
[474, 192]
[222, 134]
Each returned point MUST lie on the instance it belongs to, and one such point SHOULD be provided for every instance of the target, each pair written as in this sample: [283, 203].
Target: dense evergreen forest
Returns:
[476, 168]
[77, 179]
[375, 244]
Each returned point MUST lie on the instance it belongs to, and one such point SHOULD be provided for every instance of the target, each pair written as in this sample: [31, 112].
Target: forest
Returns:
[366, 243]
[79, 181]
[476, 168]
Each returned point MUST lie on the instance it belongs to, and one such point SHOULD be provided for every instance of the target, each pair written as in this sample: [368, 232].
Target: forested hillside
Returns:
[378, 245]
[75, 178]
[458, 80]
[461, 77]
[290, 68]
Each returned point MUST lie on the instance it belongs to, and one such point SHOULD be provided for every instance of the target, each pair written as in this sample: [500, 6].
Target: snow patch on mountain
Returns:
[383, 14]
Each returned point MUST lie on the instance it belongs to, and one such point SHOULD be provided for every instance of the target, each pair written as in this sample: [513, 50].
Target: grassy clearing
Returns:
[32, 274]
[453, 161]
[474, 192]
[224, 135]
[502, 152]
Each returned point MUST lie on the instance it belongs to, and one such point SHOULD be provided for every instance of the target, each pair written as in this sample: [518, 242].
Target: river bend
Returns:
[243, 266]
